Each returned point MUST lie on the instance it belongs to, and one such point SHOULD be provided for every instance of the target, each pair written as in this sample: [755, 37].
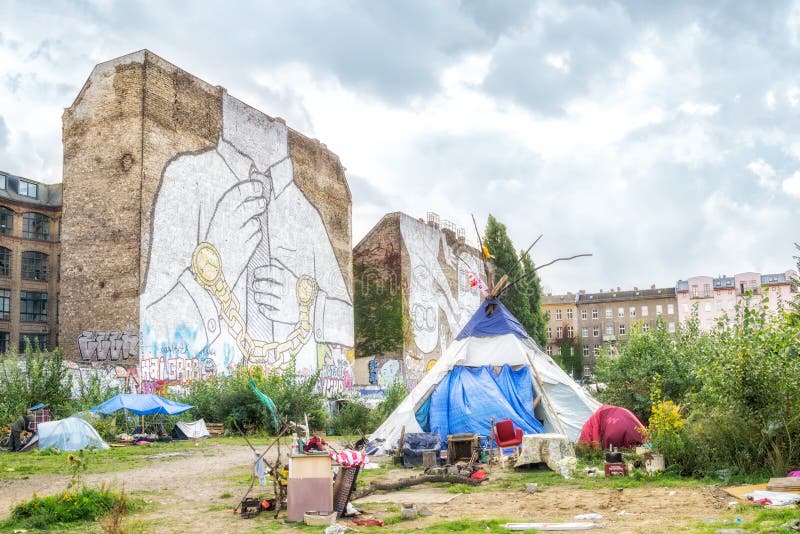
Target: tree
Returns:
[796, 286]
[523, 298]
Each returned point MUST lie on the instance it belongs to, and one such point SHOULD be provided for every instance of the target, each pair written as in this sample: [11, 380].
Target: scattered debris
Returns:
[583, 517]
[555, 527]
[532, 487]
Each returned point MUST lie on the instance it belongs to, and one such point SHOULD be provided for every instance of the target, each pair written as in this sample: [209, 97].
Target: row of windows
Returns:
[34, 225]
[35, 265]
[36, 340]
[743, 287]
[32, 306]
[558, 313]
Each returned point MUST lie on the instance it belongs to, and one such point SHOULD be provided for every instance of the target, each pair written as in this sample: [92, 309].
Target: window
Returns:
[583, 315]
[36, 340]
[4, 339]
[695, 293]
[570, 332]
[706, 290]
[632, 311]
[34, 265]
[597, 350]
[621, 312]
[27, 189]
[6, 220]
[670, 309]
[5, 261]
[35, 226]
[719, 305]
[671, 327]
[558, 314]
[609, 313]
[3, 184]
[569, 313]
[587, 370]
[584, 332]
[594, 313]
[609, 329]
[596, 331]
[645, 311]
[659, 309]
[622, 329]
[549, 333]
[572, 351]
[586, 350]
[707, 307]
[685, 307]
[33, 306]
[5, 305]
[753, 285]
[549, 350]
[645, 327]
[559, 333]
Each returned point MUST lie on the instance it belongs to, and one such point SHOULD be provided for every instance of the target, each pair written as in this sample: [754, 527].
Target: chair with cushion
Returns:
[507, 436]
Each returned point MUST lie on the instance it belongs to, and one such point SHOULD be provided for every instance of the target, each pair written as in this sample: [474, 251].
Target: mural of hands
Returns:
[275, 289]
[235, 230]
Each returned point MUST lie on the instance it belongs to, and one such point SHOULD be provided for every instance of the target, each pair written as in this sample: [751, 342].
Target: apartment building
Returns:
[562, 325]
[716, 298]
[607, 317]
[30, 235]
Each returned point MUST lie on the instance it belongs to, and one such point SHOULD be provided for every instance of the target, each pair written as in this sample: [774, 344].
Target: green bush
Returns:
[394, 395]
[353, 418]
[33, 377]
[86, 504]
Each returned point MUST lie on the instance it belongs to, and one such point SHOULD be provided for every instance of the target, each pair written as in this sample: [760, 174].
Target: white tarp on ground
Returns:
[572, 405]
[70, 434]
[195, 429]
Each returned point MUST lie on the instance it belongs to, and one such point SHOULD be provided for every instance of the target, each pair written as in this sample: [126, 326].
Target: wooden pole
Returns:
[549, 402]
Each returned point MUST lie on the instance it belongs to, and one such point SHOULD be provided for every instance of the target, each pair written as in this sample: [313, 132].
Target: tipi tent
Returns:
[492, 369]
[70, 434]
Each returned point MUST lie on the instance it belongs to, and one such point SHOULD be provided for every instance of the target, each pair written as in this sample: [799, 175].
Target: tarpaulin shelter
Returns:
[70, 434]
[141, 404]
[194, 430]
[492, 369]
[612, 425]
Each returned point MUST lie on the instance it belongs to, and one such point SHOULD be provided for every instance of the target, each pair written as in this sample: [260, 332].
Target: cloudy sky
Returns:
[663, 137]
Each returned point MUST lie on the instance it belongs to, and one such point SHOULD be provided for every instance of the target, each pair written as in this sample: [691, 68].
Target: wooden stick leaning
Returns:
[549, 402]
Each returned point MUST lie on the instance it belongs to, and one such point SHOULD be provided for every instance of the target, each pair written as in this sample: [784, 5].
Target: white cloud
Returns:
[764, 172]
[769, 99]
[701, 109]
[558, 61]
[791, 185]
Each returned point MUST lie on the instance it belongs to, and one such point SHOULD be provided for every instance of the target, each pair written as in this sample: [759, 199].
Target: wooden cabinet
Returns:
[310, 485]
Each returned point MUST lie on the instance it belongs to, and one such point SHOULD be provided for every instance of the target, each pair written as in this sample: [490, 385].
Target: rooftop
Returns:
[636, 294]
[26, 191]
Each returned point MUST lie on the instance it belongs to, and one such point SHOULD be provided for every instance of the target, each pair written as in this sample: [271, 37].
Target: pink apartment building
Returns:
[716, 297]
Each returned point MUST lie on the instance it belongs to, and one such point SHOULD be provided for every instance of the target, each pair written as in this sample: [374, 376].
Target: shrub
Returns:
[394, 395]
[352, 418]
[33, 377]
[85, 504]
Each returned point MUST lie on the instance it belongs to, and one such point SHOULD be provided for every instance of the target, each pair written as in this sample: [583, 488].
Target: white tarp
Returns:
[572, 405]
[195, 429]
[70, 434]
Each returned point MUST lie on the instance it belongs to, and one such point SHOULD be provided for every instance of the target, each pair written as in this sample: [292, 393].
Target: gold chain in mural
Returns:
[207, 270]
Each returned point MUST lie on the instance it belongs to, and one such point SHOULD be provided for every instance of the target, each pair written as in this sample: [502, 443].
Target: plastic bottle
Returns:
[294, 444]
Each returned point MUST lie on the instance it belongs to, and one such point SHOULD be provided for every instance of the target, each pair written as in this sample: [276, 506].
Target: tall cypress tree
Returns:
[523, 299]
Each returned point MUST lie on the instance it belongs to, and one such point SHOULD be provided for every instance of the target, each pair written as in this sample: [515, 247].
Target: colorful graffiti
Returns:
[241, 268]
[109, 346]
[335, 364]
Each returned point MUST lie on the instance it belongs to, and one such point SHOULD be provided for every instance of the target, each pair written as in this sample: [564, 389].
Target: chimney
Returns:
[635, 288]
[582, 291]
[601, 290]
[617, 288]
[653, 286]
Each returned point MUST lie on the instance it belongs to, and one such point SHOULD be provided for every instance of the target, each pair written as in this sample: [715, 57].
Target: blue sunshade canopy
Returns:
[498, 323]
[145, 404]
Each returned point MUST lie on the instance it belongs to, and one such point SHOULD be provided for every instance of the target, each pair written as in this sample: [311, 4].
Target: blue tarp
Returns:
[145, 404]
[468, 397]
[498, 323]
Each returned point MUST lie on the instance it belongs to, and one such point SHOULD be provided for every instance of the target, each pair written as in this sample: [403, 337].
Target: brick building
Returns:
[30, 248]
[607, 317]
[413, 296]
[562, 322]
[200, 232]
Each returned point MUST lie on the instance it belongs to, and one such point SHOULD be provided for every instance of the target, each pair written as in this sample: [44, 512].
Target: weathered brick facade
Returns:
[157, 163]
[413, 295]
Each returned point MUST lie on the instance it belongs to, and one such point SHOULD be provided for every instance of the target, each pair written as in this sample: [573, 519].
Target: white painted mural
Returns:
[241, 268]
[430, 296]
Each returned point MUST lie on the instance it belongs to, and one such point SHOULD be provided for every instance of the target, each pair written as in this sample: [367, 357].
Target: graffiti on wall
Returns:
[441, 298]
[123, 379]
[112, 346]
[241, 268]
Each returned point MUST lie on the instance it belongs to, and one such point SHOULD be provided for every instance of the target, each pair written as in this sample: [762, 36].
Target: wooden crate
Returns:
[217, 430]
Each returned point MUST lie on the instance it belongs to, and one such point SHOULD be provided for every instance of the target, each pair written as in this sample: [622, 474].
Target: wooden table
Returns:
[310, 485]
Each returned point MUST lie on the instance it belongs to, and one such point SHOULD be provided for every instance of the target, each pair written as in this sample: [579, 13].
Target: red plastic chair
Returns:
[506, 435]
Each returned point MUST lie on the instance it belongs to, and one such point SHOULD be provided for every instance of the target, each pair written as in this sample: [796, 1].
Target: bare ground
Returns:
[190, 494]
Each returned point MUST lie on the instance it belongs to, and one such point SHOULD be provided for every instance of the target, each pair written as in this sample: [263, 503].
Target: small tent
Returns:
[492, 369]
[612, 425]
[194, 430]
[70, 434]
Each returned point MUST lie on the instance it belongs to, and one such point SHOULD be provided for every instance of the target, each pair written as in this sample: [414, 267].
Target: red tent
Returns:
[612, 425]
